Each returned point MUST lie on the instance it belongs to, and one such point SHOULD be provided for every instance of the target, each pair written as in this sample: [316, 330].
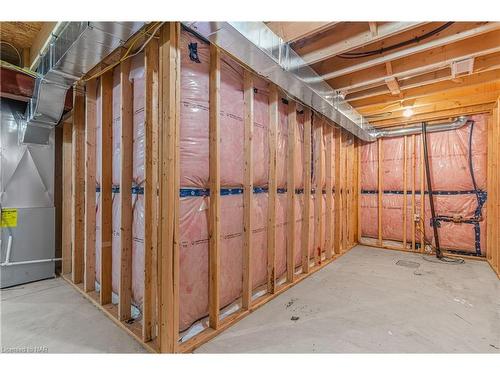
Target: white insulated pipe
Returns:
[417, 128]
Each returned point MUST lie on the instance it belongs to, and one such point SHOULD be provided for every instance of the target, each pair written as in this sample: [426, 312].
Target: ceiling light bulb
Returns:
[408, 112]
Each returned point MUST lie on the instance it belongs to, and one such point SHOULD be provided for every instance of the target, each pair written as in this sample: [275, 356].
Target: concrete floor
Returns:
[51, 316]
[363, 302]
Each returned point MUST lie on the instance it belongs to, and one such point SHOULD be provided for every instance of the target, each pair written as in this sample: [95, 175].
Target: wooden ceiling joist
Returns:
[422, 62]
[417, 91]
[444, 41]
[432, 116]
[482, 64]
[343, 41]
[461, 95]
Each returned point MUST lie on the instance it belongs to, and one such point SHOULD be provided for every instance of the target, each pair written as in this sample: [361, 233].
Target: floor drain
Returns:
[408, 263]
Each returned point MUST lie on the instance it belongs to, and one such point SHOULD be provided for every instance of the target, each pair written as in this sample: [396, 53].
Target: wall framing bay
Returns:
[158, 328]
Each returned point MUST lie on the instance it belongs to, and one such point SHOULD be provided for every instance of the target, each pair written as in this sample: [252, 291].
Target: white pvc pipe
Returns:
[9, 263]
[9, 247]
[30, 262]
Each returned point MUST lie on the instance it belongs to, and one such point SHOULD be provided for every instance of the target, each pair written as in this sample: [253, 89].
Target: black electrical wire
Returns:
[439, 254]
[417, 39]
[471, 169]
[437, 249]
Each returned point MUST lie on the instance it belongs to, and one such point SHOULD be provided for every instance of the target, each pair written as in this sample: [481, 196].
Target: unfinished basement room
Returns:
[249, 186]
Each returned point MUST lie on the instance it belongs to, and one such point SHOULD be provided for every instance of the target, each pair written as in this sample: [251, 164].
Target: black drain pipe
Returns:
[434, 222]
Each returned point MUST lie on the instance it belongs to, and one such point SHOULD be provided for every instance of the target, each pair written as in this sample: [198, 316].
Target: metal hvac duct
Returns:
[77, 48]
[417, 128]
[267, 54]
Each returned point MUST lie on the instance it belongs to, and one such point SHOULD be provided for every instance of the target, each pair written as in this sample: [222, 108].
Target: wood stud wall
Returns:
[412, 167]
[151, 144]
[493, 202]
[214, 167]
[78, 186]
[272, 195]
[90, 178]
[158, 328]
[105, 195]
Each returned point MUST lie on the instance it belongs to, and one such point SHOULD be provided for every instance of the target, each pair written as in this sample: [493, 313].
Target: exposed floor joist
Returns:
[433, 115]
[380, 102]
[420, 63]
[481, 65]
[413, 50]
[347, 37]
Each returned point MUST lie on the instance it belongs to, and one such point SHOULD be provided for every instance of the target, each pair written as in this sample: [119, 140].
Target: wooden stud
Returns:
[272, 195]
[318, 192]
[358, 197]
[305, 244]
[248, 191]
[214, 170]
[329, 192]
[67, 166]
[151, 133]
[493, 208]
[490, 205]
[105, 195]
[345, 211]
[168, 248]
[380, 190]
[350, 191]
[496, 148]
[78, 186]
[337, 202]
[413, 178]
[422, 196]
[405, 182]
[291, 196]
[90, 182]
[126, 179]
[345, 200]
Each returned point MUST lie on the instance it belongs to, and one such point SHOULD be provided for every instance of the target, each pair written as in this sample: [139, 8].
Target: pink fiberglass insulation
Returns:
[137, 77]
[194, 113]
[282, 145]
[260, 140]
[317, 121]
[195, 120]
[281, 234]
[299, 151]
[193, 283]
[369, 162]
[193, 258]
[392, 219]
[449, 165]
[231, 123]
